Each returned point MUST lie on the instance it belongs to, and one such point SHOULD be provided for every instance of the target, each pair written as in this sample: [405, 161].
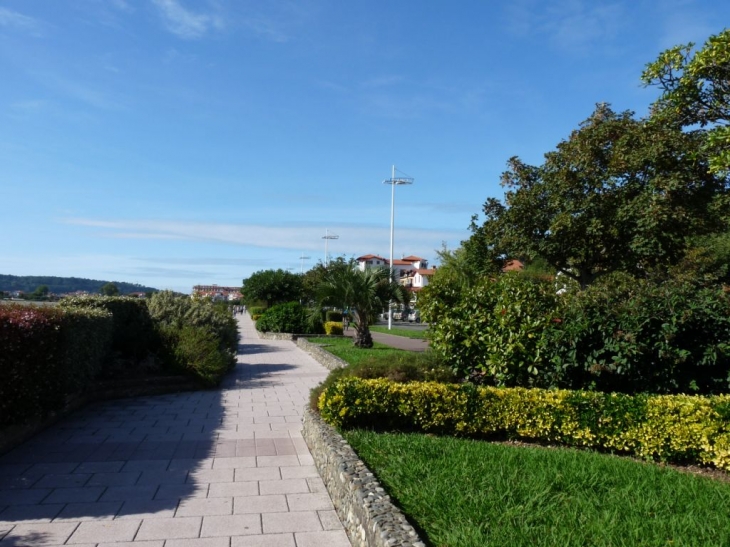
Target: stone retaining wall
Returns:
[325, 358]
[366, 512]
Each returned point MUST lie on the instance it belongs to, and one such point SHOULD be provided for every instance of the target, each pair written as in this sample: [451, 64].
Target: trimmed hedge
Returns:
[134, 335]
[48, 354]
[673, 428]
[333, 327]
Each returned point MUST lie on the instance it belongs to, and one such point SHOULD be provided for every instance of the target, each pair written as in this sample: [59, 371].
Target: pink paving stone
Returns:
[258, 474]
[230, 489]
[260, 504]
[234, 525]
[302, 521]
[199, 542]
[116, 530]
[322, 539]
[267, 540]
[283, 486]
[205, 506]
[309, 502]
[169, 528]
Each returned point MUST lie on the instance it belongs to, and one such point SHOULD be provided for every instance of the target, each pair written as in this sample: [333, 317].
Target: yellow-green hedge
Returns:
[333, 327]
[676, 428]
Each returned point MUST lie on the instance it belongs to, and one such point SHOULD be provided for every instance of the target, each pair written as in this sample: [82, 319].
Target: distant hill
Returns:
[61, 285]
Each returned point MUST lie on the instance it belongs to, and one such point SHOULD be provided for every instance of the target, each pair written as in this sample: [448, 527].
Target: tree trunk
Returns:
[363, 338]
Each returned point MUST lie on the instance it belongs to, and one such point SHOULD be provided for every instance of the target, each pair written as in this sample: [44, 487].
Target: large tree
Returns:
[619, 194]
[696, 88]
[364, 293]
[272, 287]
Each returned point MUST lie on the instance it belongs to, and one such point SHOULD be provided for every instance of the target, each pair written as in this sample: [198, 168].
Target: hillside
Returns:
[60, 285]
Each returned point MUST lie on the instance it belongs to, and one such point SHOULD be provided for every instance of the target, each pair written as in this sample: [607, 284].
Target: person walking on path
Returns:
[226, 467]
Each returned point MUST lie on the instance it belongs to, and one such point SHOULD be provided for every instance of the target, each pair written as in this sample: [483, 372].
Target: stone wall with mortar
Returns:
[366, 512]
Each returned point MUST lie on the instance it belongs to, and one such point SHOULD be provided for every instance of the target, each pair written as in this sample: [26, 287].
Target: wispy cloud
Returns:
[297, 237]
[570, 25]
[13, 19]
[186, 23]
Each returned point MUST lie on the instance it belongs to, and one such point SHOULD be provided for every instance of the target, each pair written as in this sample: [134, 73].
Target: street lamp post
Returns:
[393, 181]
[327, 236]
[303, 258]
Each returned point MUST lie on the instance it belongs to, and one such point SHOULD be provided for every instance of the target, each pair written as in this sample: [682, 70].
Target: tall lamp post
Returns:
[393, 181]
[303, 258]
[327, 236]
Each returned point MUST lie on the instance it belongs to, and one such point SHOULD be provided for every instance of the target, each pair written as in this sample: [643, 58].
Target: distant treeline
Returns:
[60, 285]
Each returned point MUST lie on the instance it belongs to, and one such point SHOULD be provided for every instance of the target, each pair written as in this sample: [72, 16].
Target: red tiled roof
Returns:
[513, 266]
[413, 258]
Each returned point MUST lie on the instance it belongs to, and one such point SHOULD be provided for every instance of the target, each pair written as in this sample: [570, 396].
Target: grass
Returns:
[464, 493]
[343, 348]
[406, 333]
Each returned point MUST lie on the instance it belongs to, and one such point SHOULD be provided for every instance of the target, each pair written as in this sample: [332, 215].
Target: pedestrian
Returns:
[346, 322]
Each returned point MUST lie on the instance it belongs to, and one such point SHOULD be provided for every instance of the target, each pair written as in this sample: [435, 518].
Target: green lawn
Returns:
[464, 493]
[407, 333]
[343, 348]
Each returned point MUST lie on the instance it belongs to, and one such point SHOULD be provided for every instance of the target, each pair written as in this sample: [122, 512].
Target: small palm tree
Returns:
[364, 292]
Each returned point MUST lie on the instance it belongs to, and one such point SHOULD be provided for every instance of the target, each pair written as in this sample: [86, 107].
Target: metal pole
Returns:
[392, 219]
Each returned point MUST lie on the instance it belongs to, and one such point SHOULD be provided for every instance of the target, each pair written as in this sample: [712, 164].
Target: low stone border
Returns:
[325, 358]
[369, 517]
[277, 336]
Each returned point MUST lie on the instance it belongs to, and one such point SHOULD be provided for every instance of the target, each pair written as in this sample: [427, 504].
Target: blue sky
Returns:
[178, 142]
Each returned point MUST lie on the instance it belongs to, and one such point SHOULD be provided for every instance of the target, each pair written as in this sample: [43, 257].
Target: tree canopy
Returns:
[364, 293]
[272, 287]
[619, 194]
[696, 89]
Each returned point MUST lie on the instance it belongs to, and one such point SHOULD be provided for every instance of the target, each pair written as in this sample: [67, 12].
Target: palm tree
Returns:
[364, 292]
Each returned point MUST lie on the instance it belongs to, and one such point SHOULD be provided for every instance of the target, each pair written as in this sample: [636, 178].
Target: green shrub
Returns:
[196, 351]
[675, 428]
[333, 328]
[620, 334]
[47, 355]
[496, 331]
[256, 310]
[134, 336]
[171, 310]
[86, 345]
[290, 318]
[333, 316]
[634, 336]
[406, 367]
[197, 337]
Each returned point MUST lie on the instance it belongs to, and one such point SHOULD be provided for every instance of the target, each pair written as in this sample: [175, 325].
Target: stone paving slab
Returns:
[219, 468]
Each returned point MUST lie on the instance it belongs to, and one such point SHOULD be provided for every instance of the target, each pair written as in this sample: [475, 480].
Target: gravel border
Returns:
[369, 517]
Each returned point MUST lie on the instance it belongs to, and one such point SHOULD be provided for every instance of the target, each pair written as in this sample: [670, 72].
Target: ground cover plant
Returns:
[406, 333]
[468, 493]
[380, 361]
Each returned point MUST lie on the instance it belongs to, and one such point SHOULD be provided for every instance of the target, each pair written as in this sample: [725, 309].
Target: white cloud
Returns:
[185, 23]
[570, 25]
[354, 239]
[13, 19]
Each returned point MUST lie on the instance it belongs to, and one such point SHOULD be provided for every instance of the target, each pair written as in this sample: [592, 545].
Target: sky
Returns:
[180, 142]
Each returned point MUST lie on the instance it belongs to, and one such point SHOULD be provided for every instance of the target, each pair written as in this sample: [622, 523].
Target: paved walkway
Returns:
[398, 342]
[224, 468]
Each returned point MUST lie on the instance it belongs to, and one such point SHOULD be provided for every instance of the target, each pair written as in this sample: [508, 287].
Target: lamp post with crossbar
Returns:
[393, 181]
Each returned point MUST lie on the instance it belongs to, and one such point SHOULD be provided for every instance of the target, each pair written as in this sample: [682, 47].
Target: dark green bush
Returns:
[409, 367]
[86, 343]
[496, 330]
[196, 351]
[632, 336]
[197, 337]
[620, 334]
[134, 336]
[292, 318]
[48, 354]
[256, 310]
[333, 316]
